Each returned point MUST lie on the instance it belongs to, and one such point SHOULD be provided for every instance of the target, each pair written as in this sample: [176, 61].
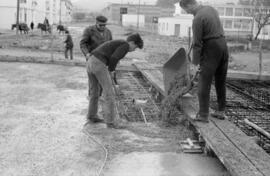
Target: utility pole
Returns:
[138, 15]
[60, 13]
[18, 15]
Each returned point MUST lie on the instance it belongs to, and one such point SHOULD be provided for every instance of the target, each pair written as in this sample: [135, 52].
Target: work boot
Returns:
[219, 115]
[200, 118]
[117, 124]
[95, 120]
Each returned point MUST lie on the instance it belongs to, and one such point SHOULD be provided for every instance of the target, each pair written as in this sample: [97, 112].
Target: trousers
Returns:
[99, 77]
[213, 64]
[70, 50]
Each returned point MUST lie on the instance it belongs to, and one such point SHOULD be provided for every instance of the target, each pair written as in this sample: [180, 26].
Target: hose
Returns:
[104, 149]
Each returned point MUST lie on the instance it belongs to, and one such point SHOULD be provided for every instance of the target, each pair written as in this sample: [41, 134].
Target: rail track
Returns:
[249, 100]
[133, 86]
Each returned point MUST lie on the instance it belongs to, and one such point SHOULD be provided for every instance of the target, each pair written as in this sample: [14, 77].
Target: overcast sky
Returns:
[97, 5]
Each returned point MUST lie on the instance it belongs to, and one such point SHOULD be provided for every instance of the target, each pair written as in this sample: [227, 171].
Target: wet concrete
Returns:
[165, 164]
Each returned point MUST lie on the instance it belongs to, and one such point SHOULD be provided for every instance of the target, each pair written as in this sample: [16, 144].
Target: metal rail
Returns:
[244, 105]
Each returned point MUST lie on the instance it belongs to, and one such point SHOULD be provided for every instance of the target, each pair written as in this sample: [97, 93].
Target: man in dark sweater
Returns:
[101, 64]
[210, 52]
[93, 36]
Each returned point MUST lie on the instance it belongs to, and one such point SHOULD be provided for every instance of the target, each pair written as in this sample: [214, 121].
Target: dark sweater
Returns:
[206, 25]
[111, 52]
[68, 41]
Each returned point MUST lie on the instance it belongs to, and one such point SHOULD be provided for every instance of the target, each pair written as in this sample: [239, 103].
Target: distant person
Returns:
[210, 53]
[46, 23]
[32, 25]
[101, 64]
[69, 45]
[93, 36]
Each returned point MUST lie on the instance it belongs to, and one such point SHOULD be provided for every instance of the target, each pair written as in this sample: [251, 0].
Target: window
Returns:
[222, 22]
[228, 24]
[229, 11]
[238, 12]
[265, 30]
[237, 24]
[47, 5]
[163, 26]
[221, 11]
[246, 24]
[247, 12]
[183, 11]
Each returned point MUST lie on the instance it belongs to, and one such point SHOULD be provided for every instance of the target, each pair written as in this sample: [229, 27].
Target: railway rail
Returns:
[249, 100]
[133, 86]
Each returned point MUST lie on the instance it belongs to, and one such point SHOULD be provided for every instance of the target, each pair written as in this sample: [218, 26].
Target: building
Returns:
[114, 11]
[34, 10]
[237, 20]
[133, 20]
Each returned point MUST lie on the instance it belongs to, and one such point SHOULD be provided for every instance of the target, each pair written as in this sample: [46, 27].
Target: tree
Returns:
[262, 19]
[260, 13]
[166, 3]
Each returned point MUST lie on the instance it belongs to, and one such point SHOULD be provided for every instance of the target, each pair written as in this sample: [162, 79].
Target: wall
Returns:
[112, 11]
[131, 20]
[166, 26]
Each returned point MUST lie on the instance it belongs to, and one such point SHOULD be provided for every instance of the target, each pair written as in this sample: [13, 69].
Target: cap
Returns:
[101, 19]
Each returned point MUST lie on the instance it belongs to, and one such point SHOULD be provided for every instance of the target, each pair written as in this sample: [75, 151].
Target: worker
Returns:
[68, 45]
[93, 36]
[101, 64]
[210, 54]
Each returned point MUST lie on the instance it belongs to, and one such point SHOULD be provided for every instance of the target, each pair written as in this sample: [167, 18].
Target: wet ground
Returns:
[42, 132]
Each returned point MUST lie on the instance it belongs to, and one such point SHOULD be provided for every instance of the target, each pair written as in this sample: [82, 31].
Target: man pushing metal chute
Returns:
[210, 53]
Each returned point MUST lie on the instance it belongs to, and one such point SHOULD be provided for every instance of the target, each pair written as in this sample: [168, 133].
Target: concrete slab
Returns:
[165, 164]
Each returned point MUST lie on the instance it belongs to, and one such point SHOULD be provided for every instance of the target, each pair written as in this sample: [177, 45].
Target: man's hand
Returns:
[88, 55]
[113, 76]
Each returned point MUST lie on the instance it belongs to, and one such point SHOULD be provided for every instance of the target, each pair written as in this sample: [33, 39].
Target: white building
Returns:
[237, 20]
[133, 20]
[34, 10]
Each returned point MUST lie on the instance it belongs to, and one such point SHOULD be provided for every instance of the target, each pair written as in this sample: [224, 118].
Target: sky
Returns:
[97, 5]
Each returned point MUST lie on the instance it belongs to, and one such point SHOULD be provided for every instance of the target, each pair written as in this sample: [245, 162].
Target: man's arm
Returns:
[110, 34]
[197, 28]
[84, 42]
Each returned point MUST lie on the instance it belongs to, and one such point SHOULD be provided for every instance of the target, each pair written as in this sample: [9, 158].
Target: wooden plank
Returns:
[256, 155]
[232, 158]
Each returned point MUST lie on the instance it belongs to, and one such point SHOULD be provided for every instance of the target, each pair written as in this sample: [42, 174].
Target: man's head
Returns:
[189, 6]
[101, 22]
[134, 41]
